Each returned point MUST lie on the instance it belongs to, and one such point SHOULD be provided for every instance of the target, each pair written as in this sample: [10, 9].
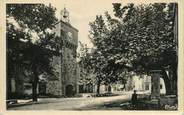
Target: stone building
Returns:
[144, 83]
[65, 64]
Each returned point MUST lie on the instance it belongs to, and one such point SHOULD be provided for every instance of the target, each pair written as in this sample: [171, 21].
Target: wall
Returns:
[66, 65]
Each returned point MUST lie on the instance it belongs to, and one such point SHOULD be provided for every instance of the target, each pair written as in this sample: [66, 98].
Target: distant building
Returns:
[139, 83]
[18, 80]
[143, 83]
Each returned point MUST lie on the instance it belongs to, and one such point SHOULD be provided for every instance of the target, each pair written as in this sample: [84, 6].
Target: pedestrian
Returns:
[134, 100]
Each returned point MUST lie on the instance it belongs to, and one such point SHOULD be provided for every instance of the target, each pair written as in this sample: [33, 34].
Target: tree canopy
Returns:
[31, 45]
[138, 37]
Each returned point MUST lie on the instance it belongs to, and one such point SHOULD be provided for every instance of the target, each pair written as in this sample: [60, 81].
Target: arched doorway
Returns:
[69, 91]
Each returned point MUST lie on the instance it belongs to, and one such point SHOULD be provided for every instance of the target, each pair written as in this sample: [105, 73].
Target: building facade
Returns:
[65, 64]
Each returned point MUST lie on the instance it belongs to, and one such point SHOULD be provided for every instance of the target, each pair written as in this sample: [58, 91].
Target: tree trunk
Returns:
[109, 88]
[34, 86]
[8, 86]
[175, 80]
[124, 86]
[167, 83]
[98, 87]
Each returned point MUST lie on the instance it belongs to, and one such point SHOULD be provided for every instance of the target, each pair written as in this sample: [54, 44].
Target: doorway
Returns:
[69, 91]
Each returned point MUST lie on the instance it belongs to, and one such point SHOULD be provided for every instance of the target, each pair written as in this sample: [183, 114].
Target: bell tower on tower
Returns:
[65, 15]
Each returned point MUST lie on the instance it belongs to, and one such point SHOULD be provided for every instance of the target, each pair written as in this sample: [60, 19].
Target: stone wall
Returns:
[66, 65]
[54, 88]
[54, 85]
[69, 69]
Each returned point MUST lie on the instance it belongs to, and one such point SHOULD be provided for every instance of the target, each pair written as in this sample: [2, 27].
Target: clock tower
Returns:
[66, 63]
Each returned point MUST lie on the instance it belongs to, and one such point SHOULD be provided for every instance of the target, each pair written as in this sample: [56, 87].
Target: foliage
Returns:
[31, 45]
[149, 31]
[137, 37]
[86, 76]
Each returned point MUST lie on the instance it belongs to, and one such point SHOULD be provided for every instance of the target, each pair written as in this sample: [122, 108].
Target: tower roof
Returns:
[65, 15]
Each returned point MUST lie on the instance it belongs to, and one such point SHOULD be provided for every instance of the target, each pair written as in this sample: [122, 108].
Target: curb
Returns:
[21, 104]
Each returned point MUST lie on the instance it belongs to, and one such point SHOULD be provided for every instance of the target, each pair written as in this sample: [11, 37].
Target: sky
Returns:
[81, 12]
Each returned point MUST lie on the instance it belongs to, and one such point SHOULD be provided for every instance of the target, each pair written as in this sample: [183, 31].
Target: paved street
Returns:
[72, 103]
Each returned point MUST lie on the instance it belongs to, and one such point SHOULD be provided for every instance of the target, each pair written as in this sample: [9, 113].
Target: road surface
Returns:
[87, 103]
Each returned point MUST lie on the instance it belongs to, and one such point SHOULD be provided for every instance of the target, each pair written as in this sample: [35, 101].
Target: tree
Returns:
[150, 32]
[88, 67]
[29, 41]
[106, 60]
[139, 37]
[86, 76]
